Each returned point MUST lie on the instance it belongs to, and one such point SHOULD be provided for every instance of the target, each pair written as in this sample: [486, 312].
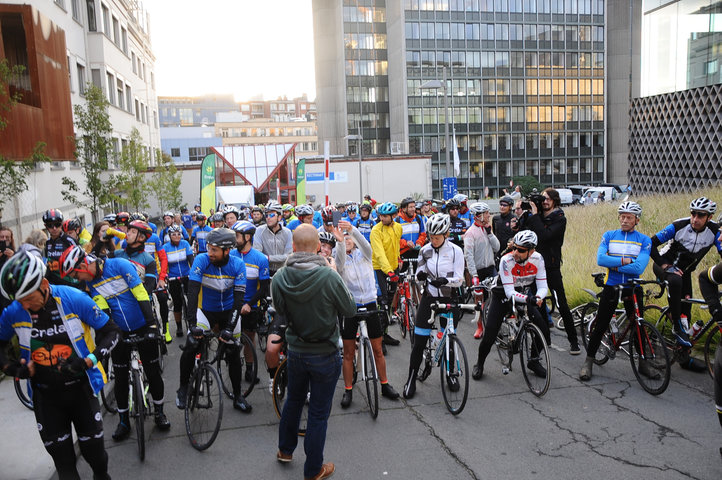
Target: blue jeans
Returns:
[320, 373]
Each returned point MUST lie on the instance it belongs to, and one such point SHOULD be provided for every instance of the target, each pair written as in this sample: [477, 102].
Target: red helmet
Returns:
[122, 218]
[142, 227]
[74, 258]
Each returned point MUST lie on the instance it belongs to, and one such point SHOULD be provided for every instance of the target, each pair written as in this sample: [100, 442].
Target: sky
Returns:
[244, 47]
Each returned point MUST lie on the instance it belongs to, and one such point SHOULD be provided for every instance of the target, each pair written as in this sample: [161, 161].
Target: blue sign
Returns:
[314, 176]
[449, 184]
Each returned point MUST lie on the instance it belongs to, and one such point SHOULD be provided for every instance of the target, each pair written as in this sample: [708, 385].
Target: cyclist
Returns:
[180, 258]
[458, 226]
[689, 241]
[502, 223]
[257, 216]
[258, 286]
[122, 219]
[327, 217]
[441, 264]
[117, 289]
[216, 287]
[154, 247]
[358, 274]
[144, 263]
[464, 213]
[58, 354]
[328, 247]
[110, 218]
[217, 220]
[169, 221]
[72, 227]
[522, 268]
[414, 235]
[625, 253]
[386, 245]
[480, 246]
[273, 239]
[365, 222]
[187, 220]
[56, 245]
[200, 231]
[352, 214]
[288, 215]
[231, 214]
[304, 214]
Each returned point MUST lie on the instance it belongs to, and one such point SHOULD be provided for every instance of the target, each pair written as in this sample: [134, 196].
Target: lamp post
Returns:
[360, 178]
[436, 84]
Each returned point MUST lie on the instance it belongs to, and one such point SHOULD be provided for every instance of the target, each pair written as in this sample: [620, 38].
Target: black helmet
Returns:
[217, 217]
[406, 201]
[200, 216]
[221, 237]
[52, 215]
[122, 218]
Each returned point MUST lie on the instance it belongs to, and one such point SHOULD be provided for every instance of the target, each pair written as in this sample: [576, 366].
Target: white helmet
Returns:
[438, 224]
[21, 275]
[526, 239]
[478, 207]
[630, 207]
[460, 197]
[703, 204]
[302, 210]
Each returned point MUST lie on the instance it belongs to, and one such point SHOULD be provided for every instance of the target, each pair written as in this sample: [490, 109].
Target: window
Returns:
[197, 154]
[119, 91]
[106, 20]
[132, 61]
[92, 25]
[116, 32]
[124, 40]
[95, 77]
[81, 79]
[75, 5]
[128, 99]
[175, 152]
[15, 48]
[137, 110]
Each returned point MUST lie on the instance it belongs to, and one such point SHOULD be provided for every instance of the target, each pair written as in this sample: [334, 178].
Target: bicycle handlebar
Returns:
[469, 307]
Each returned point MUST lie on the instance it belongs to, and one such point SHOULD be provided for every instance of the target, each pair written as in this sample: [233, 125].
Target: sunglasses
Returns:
[453, 208]
[271, 215]
[53, 225]
[520, 249]
[699, 214]
[504, 205]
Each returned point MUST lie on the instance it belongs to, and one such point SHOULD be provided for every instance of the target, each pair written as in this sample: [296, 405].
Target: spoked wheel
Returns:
[662, 321]
[403, 321]
[650, 358]
[372, 379]
[710, 348]
[585, 316]
[454, 375]
[138, 412]
[428, 354]
[262, 335]
[106, 392]
[411, 319]
[23, 391]
[534, 353]
[504, 347]
[280, 384]
[204, 407]
[222, 367]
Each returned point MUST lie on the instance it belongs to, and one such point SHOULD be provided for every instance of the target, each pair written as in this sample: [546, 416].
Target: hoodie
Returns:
[312, 296]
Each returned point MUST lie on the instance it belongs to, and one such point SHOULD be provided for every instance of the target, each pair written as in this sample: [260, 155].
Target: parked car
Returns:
[577, 192]
[565, 196]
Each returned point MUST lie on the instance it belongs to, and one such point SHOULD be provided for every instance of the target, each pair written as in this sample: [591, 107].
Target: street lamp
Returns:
[436, 84]
[360, 178]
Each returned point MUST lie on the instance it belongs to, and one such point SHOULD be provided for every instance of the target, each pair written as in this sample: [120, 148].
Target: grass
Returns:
[586, 224]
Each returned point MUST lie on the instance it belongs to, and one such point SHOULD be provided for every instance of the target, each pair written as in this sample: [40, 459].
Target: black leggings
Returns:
[679, 287]
[149, 355]
[55, 411]
[608, 301]
[162, 297]
[178, 288]
[499, 306]
[555, 282]
[423, 328]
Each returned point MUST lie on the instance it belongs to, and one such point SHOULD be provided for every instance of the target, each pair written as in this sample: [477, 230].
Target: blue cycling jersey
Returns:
[365, 226]
[256, 270]
[199, 234]
[467, 217]
[218, 283]
[293, 224]
[118, 278]
[411, 228]
[178, 258]
[617, 245]
[187, 221]
[165, 238]
[143, 262]
[153, 227]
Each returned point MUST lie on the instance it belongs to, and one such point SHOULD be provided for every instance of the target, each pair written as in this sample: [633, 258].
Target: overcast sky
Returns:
[243, 47]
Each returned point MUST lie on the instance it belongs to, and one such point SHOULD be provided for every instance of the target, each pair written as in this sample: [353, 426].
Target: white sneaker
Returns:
[270, 386]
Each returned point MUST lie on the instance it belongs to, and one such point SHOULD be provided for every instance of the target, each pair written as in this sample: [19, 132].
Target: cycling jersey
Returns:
[353, 221]
[456, 231]
[143, 262]
[256, 270]
[413, 231]
[480, 245]
[357, 271]
[288, 220]
[447, 262]
[686, 248]
[517, 276]
[317, 219]
[54, 248]
[119, 289]
[617, 245]
[218, 283]
[199, 235]
[153, 227]
[365, 226]
[154, 246]
[385, 246]
[187, 221]
[178, 256]
[466, 217]
[293, 224]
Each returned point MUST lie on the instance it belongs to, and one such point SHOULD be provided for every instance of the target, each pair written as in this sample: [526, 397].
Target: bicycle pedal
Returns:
[505, 370]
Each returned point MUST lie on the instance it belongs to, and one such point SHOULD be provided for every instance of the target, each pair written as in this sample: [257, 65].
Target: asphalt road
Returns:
[608, 426]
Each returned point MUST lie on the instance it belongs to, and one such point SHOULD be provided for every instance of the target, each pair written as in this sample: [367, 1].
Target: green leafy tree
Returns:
[92, 150]
[528, 184]
[165, 183]
[131, 186]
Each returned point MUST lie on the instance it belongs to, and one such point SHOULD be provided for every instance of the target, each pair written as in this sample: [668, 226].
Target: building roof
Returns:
[255, 163]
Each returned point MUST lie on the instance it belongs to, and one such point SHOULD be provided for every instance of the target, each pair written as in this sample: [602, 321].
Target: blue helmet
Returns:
[244, 226]
[387, 208]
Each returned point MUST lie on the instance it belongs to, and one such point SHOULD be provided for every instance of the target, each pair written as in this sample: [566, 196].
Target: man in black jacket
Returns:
[502, 223]
[550, 225]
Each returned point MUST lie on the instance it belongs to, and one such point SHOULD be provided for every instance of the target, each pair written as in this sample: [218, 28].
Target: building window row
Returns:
[269, 132]
[363, 14]
[546, 63]
[492, 115]
[365, 41]
[370, 68]
[558, 7]
[488, 32]
[197, 154]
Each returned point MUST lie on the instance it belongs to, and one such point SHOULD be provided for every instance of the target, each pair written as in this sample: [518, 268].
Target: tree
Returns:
[131, 186]
[165, 183]
[92, 149]
[527, 184]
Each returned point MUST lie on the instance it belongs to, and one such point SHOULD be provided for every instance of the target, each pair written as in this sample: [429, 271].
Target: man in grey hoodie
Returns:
[311, 295]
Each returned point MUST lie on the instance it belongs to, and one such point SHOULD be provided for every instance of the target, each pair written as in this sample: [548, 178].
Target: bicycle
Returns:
[408, 301]
[517, 334]
[204, 401]
[24, 392]
[481, 293]
[244, 342]
[138, 390]
[650, 362]
[267, 312]
[280, 382]
[365, 358]
[449, 354]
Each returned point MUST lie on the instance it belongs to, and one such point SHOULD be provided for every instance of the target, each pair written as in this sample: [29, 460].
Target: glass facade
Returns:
[681, 45]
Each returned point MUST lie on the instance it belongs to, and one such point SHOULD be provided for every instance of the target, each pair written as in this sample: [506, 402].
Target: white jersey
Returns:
[517, 276]
[445, 262]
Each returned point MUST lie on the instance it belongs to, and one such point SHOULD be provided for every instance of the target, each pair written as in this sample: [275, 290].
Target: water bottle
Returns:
[613, 324]
[696, 328]
[685, 323]
[435, 340]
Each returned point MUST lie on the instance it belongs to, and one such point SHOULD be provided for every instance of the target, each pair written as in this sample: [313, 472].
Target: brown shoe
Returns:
[327, 470]
[284, 457]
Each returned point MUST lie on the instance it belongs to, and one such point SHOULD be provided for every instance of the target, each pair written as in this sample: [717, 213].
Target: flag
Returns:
[301, 182]
[456, 157]
[208, 183]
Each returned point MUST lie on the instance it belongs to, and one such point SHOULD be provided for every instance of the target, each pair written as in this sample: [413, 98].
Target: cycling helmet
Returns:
[21, 275]
[274, 207]
[244, 226]
[257, 208]
[175, 229]
[703, 204]
[350, 202]
[327, 214]
[303, 210]
[387, 208]
[197, 205]
[630, 207]
[217, 217]
[74, 258]
[136, 216]
[71, 224]
[122, 218]
[142, 227]
[52, 215]
[326, 237]
[221, 237]
[146, 216]
[460, 197]
[406, 201]
[231, 209]
[438, 224]
[366, 206]
[352, 208]
[526, 239]
[169, 214]
[453, 203]
[287, 207]
[110, 218]
[478, 207]
[200, 216]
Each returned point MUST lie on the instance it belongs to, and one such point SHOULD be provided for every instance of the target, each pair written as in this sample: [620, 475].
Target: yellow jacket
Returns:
[385, 245]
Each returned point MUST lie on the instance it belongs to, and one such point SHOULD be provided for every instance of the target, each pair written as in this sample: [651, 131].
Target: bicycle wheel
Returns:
[587, 314]
[247, 347]
[262, 335]
[23, 391]
[404, 314]
[533, 348]
[138, 412]
[372, 379]
[106, 393]
[710, 347]
[662, 321]
[454, 375]
[411, 311]
[280, 382]
[649, 357]
[222, 367]
[504, 347]
[204, 407]
[428, 354]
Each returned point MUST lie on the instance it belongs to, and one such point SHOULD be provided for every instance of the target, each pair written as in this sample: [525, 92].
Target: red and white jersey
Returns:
[514, 277]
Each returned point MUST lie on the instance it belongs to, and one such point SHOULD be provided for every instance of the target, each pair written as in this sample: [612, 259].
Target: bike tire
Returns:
[280, 383]
[710, 347]
[108, 387]
[22, 390]
[504, 348]
[204, 407]
[262, 335]
[662, 321]
[531, 335]
[587, 314]
[138, 412]
[372, 379]
[221, 363]
[428, 354]
[411, 310]
[247, 345]
[653, 375]
[454, 367]
[404, 321]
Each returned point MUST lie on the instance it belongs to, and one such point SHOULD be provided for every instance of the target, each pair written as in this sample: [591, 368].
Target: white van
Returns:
[609, 194]
[565, 196]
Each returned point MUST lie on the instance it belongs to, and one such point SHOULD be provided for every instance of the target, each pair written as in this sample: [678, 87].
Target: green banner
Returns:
[208, 183]
[301, 182]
